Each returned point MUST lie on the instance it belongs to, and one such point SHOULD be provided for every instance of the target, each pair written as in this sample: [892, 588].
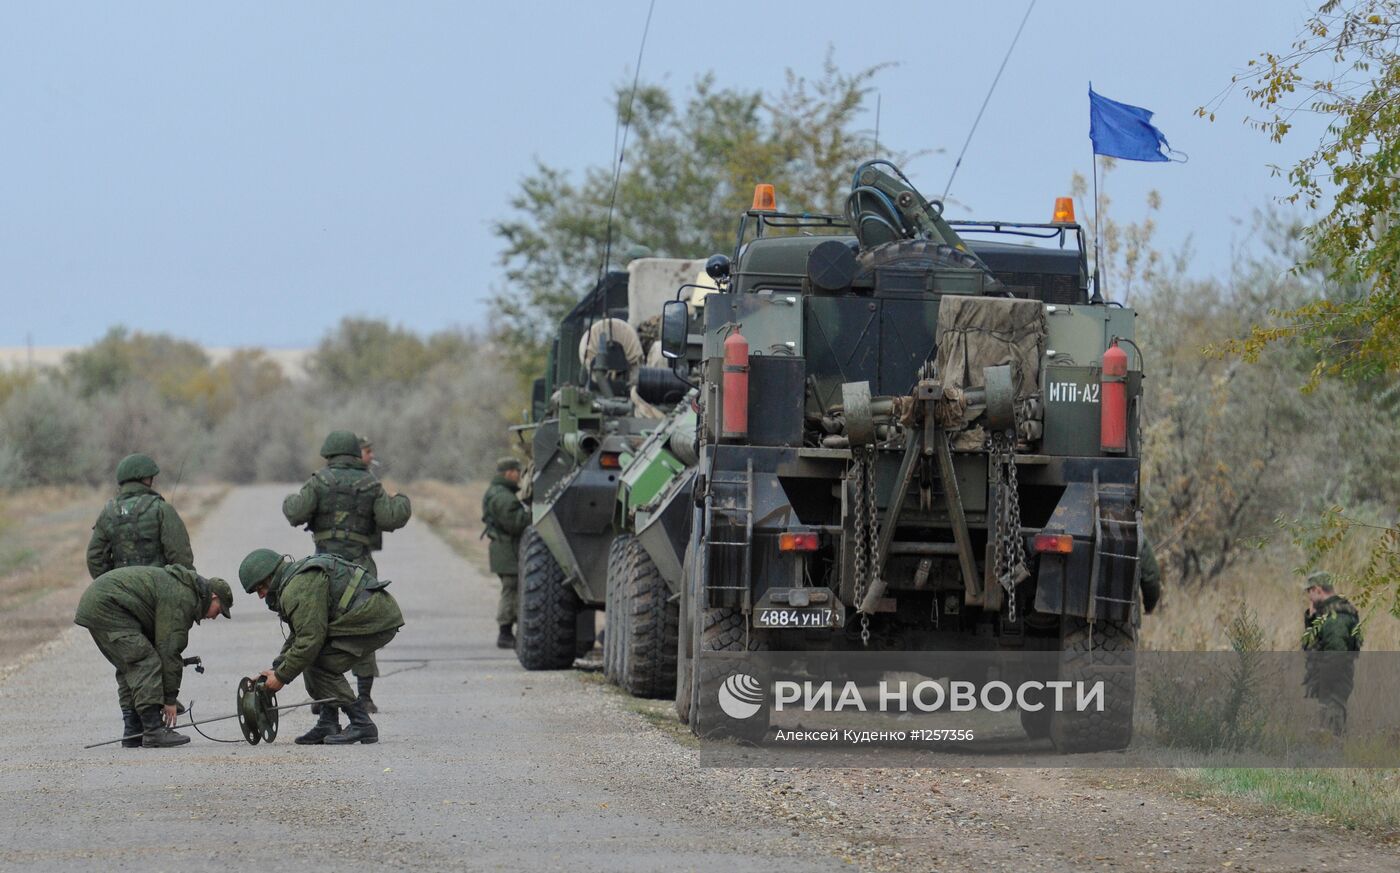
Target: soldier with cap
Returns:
[347, 510]
[140, 619]
[505, 519]
[1331, 637]
[137, 527]
[338, 614]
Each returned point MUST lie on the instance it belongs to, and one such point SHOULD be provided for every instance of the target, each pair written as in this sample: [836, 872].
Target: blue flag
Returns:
[1122, 131]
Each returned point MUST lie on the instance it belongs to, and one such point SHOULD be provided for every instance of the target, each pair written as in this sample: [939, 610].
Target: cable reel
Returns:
[257, 711]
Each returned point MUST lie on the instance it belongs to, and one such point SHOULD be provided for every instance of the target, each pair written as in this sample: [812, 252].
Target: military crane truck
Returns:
[913, 442]
[594, 406]
[654, 509]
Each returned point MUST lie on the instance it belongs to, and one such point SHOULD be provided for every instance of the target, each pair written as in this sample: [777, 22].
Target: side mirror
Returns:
[675, 327]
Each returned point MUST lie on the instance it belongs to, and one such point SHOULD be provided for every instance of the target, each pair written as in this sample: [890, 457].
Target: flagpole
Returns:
[1098, 280]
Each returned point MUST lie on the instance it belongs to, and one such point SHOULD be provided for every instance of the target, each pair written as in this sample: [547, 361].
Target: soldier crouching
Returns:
[338, 614]
[140, 619]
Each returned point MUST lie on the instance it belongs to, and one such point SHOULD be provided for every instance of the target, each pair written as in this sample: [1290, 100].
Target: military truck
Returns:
[911, 441]
[594, 406]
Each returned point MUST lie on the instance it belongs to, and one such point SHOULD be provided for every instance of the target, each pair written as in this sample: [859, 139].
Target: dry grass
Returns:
[453, 511]
[43, 547]
[1195, 619]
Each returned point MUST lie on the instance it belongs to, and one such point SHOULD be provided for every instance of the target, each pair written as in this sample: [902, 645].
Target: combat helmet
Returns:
[136, 466]
[257, 568]
[340, 442]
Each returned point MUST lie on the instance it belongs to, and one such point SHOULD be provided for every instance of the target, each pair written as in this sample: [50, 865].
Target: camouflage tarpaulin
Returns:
[978, 332]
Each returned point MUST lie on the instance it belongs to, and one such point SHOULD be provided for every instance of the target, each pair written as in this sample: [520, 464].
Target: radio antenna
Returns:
[988, 99]
[622, 150]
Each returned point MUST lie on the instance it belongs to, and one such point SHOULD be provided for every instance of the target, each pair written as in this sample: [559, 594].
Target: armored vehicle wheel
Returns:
[612, 615]
[548, 621]
[1103, 651]
[685, 645]
[725, 638]
[649, 625]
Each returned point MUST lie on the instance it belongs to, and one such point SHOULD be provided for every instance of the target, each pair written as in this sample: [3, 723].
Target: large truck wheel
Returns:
[612, 614]
[725, 641]
[547, 630]
[1102, 651]
[650, 625]
[688, 637]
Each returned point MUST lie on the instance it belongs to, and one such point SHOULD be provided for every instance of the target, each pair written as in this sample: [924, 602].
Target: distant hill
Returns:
[292, 361]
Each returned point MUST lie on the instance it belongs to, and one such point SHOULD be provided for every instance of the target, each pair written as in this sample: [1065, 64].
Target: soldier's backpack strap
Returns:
[352, 589]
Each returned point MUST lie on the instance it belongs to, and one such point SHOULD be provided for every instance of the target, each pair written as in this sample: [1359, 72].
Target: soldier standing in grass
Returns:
[1331, 637]
[347, 510]
[505, 519]
[140, 619]
[137, 527]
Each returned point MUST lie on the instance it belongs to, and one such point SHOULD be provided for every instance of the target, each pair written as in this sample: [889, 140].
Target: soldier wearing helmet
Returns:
[347, 510]
[137, 527]
[338, 614]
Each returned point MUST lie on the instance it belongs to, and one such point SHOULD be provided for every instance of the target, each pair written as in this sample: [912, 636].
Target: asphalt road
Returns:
[480, 766]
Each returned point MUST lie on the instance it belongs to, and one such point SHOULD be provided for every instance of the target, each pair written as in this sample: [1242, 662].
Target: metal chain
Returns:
[872, 533]
[858, 496]
[1010, 565]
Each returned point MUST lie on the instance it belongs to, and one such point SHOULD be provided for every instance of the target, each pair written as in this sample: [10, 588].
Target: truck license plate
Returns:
[793, 618]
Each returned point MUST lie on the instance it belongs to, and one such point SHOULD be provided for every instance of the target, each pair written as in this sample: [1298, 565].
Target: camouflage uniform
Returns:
[140, 619]
[338, 615]
[1331, 637]
[137, 527]
[346, 509]
[505, 519]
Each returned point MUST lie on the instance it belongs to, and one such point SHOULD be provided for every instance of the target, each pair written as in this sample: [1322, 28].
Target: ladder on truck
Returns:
[1112, 537]
[729, 526]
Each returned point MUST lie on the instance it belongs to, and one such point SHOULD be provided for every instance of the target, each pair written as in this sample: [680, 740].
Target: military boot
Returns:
[360, 730]
[366, 685]
[506, 639]
[158, 736]
[131, 724]
[327, 726]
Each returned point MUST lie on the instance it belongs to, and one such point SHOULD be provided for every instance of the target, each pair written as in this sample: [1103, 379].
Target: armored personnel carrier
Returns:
[592, 409]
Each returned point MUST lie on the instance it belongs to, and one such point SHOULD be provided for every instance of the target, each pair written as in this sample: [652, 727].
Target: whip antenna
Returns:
[622, 150]
[986, 100]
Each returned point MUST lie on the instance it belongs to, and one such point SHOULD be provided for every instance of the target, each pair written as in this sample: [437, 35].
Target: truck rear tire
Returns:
[1103, 651]
[725, 631]
[547, 630]
[650, 625]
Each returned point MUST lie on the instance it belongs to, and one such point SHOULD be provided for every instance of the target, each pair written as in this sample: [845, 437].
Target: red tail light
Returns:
[610, 460]
[1053, 544]
[799, 542]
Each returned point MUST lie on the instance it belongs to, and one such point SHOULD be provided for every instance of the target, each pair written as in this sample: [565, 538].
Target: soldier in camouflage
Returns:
[505, 519]
[137, 527]
[347, 510]
[140, 619]
[1331, 637]
[339, 614]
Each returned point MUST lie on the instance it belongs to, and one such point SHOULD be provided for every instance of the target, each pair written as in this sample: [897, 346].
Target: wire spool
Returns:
[257, 711]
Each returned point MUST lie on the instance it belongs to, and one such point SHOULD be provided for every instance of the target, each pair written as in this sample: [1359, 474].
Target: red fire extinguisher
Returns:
[736, 387]
[1113, 400]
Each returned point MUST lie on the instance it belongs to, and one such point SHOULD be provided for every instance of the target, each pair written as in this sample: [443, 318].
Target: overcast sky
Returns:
[247, 174]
